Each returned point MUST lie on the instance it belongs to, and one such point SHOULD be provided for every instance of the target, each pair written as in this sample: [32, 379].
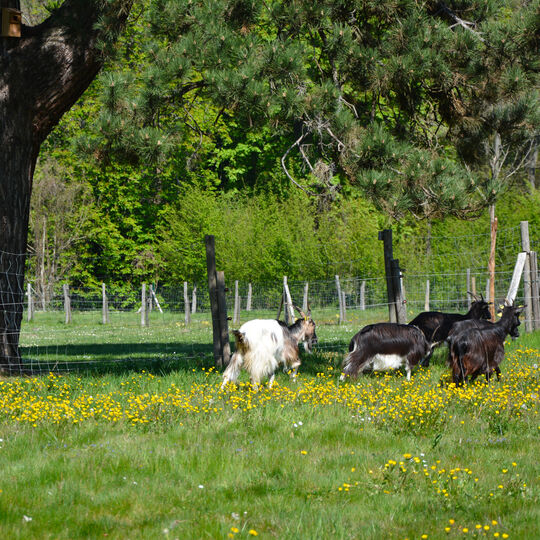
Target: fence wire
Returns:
[48, 343]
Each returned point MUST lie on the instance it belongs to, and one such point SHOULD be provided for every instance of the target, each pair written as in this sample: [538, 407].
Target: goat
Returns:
[385, 346]
[478, 346]
[436, 325]
[263, 344]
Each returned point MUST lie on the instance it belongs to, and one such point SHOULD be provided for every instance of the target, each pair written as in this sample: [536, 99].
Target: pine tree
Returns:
[383, 96]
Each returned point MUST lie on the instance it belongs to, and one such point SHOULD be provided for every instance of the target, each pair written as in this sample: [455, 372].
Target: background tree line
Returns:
[293, 131]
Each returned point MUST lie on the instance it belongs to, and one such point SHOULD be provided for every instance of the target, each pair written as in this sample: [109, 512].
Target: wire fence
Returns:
[48, 343]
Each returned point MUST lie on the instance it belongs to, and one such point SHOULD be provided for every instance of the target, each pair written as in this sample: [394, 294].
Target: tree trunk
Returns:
[42, 74]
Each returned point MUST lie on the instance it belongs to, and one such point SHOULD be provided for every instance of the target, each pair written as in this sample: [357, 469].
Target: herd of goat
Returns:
[475, 345]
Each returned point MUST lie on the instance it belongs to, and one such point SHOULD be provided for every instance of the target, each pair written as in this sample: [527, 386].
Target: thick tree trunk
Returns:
[42, 74]
[16, 169]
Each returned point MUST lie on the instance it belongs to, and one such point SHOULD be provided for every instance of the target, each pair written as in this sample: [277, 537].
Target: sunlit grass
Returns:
[143, 454]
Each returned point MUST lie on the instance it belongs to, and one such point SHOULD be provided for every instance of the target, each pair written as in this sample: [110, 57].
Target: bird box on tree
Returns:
[11, 22]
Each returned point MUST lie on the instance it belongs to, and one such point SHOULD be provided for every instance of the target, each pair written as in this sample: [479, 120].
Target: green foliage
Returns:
[377, 109]
[260, 238]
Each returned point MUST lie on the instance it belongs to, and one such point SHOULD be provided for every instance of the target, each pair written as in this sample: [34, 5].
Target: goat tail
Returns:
[232, 371]
[351, 364]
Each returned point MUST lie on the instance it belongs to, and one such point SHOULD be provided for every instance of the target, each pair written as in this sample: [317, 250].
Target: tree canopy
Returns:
[426, 109]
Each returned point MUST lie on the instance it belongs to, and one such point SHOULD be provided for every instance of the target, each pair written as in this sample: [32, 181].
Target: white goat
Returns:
[263, 344]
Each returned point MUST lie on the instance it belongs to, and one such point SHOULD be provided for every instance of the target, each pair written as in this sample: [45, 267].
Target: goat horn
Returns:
[304, 316]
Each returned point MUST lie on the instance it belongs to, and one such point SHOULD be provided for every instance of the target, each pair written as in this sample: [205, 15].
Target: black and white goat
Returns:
[384, 346]
[477, 347]
[436, 325]
[263, 344]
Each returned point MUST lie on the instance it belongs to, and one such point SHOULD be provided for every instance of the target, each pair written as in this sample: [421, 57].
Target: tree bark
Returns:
[42, 74]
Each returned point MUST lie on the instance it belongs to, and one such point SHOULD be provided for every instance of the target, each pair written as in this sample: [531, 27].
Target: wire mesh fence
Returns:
[48, 343]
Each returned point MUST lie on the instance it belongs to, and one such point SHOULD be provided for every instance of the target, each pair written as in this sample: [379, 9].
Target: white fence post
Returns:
[67, 303]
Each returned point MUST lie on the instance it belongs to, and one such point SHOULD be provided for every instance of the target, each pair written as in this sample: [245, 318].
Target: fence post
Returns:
[236, 311]
[516, 277]
[289, 310]
[67, 303]
[194, 300]
[210, 245]
[150, 298]
[104, 305]
[386, 237]
[488, 288]
[468, 289]
[248, 301]
[527, 289]
[400, 302]
[187, 308]
[30, 311]
[305, 302]
[473, 285]
[491, 265]
[363, 296]
[144, 306]
[426, 301]
[340, 300]
[223, 319]
[535, 289]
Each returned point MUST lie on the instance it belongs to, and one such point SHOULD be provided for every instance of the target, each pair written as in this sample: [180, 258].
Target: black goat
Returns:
[479, 346]
[383, 346]
[436, 325]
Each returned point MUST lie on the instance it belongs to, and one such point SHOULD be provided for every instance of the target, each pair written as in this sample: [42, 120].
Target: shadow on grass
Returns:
[117, 358]
[156, 358]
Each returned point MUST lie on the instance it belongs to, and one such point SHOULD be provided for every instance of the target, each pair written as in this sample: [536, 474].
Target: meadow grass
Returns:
[166, 454]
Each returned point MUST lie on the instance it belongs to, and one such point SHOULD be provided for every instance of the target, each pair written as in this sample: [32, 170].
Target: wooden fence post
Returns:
[400, 302]
[150, 299]
[67, 303]
[187, 307]
[155, 298]
[340, 300]
[535, 289]
[363, 296]
[30, 310]
[386, 237]
[210, 245]
[305, 302]
[223, 319]
[236, 311]
[488, 289]
[426, 301]
[491, 265]
[527, 289]
[468, 288]
[516, 277]
[144, 306]
[473, 285]
[104, 305]
[289, 310]
[194, 300]
[248, 301]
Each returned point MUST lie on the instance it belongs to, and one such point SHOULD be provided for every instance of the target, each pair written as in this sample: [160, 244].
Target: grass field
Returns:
[163, 453]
